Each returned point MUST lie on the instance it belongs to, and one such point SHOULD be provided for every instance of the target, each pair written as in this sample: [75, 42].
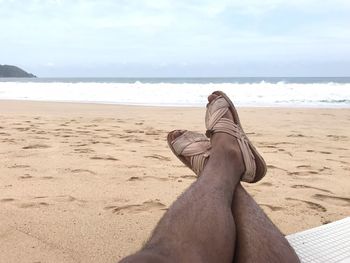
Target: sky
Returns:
[176, 38]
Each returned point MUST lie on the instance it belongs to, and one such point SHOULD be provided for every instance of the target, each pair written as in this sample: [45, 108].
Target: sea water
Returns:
[252, 92]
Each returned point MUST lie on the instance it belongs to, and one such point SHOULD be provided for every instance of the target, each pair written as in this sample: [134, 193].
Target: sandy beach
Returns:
[88, 182]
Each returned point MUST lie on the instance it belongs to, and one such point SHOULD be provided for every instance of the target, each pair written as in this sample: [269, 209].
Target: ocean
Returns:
[192, 92]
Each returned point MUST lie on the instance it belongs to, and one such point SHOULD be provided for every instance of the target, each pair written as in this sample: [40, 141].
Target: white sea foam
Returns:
[182, 94]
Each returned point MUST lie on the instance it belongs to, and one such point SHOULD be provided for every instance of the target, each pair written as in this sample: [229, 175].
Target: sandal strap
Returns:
[198, 162]
[228, 126]
[195, 146]
[216, 109]
[215, 123]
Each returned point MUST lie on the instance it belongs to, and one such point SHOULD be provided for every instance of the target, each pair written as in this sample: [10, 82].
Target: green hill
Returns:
[8, 71]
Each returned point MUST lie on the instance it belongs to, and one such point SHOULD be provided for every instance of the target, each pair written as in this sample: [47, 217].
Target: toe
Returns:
[174, 134]
[212, 97]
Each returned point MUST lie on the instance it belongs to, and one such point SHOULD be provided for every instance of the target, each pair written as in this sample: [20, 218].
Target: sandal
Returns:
[193, 145]
[255, 166]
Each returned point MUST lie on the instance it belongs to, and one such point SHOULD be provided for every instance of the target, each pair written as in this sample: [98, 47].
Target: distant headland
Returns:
[8, 71]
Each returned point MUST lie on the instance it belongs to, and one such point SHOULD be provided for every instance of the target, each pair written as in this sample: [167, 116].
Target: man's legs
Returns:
[199, 226]
[257, 238]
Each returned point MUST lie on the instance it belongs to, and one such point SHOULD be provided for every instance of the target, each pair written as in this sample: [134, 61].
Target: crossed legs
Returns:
[199, 226]
[215, 219]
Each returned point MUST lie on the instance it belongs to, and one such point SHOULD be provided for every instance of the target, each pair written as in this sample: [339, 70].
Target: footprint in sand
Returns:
[64, 130]
[153, 132]
[148, 206]
[68, 198]
[304, 166]
[102, 130]
[135, 140]
[135, 166]
[310, 204]
[6, 200]
[36, 146]
[314, 171]
[84, 150]
[82, 171]
[134, 131]
[273, 208]
[268, 146]
[51, 200]
[303, 173]
[121, 136]
[269, 166]
[341, 148]
[23, 129]
[32, 205]
[325, 168]
[47, 177]
[26, 176]
[137, 178]
[79, 145]
[11, 141]
[336, 137]
[297, 135]
[42, 132]
[19, 166]
[336, 200]
[106, 158]
[157, 156]
[300, 186]
[83, 132]
[120, 121]
[266, 184]
[68, 136]
[40, 138]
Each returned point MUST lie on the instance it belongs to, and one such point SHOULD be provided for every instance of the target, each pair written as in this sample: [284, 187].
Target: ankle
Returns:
[226, 148]
[226, 143]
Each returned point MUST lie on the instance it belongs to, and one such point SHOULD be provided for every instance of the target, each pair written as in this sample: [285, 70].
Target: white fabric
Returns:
[325, 244]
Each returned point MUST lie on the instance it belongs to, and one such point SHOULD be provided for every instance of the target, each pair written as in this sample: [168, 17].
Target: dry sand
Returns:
[87, 183]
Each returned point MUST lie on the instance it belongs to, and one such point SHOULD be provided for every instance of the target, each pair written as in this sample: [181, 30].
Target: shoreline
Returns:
[174, 106]
[88, 182]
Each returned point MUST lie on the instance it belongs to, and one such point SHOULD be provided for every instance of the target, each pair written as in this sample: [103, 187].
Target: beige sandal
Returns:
[193, 145]
[255, 166]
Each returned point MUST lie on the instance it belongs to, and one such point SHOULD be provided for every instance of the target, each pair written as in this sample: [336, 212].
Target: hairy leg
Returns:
[257, 238]
[198, 227]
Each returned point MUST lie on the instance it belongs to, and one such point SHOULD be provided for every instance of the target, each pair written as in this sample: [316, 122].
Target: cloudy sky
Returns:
[145, 38]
